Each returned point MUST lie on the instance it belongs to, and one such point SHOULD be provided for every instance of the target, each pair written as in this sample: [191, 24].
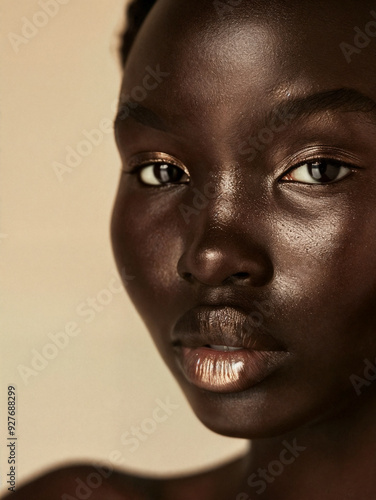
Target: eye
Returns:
[156, 174]
[318, 172]
[160, 173]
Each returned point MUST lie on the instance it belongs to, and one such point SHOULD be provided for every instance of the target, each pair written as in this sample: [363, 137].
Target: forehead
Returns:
[216, 52]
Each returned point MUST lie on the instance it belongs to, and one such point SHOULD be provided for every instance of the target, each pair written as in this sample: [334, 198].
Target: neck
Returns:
[331, 459]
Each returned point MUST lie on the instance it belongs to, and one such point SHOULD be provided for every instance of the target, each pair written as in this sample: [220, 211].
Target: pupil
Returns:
[167, 173]
[323, 171]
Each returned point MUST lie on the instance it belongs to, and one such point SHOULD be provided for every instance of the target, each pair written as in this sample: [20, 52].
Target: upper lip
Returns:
[222, 325]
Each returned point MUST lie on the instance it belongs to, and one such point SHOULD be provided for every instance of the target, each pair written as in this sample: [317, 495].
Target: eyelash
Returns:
[139, 168]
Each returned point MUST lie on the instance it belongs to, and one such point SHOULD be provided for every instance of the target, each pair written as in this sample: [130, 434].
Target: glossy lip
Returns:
[224, 371]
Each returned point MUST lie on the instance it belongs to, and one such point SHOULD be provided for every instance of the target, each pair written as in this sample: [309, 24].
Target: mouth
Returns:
[224, 348]
[221, 350]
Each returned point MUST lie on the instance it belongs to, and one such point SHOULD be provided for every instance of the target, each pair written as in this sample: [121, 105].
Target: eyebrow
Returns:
[342, 99]
[140, 114]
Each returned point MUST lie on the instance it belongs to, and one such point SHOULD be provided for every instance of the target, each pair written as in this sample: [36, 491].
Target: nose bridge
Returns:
[222, 197]
[225, 235]
[226, 220]
[229, 205]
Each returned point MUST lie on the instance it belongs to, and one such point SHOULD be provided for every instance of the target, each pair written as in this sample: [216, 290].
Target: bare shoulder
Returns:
[77, 482]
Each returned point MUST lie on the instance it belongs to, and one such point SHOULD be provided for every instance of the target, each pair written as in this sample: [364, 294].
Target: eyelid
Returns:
[319, 152]
[144, 159]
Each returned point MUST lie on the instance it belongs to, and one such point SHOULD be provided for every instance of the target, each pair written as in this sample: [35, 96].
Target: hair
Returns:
[136, 13]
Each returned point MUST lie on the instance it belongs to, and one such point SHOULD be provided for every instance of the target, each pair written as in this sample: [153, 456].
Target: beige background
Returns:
[55, 256]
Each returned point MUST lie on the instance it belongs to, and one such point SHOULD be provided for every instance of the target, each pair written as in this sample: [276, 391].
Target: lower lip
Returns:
[228, 371]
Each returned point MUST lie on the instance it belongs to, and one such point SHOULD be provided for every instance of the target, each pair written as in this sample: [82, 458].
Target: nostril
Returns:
[237, 277]
[187, 276]
[241, 276]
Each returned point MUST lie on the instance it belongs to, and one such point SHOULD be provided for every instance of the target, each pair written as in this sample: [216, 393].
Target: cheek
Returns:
[325, 280]
[326, 245]
[147, 244]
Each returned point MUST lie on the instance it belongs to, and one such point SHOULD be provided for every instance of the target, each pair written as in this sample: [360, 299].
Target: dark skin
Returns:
[271, 233]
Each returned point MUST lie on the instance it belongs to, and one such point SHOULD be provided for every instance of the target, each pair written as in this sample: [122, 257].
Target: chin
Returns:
[245, 415]
[263, 411]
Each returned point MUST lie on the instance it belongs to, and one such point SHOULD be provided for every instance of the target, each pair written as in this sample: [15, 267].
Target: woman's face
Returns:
[246, 210]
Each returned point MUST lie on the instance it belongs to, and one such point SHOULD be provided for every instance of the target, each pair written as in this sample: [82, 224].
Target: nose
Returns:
[221, 249]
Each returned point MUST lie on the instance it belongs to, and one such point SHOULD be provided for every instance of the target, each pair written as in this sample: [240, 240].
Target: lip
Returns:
[257, 356]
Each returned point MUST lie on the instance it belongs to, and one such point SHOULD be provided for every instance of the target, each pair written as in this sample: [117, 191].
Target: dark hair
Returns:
[136, 14]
